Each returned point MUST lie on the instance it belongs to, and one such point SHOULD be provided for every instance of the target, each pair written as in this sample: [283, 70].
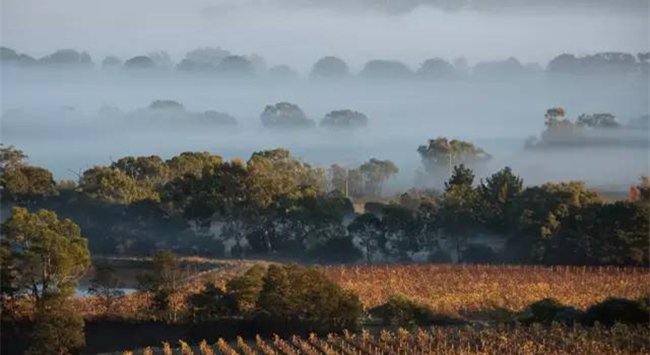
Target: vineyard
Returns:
[557, 339]
[469, 289]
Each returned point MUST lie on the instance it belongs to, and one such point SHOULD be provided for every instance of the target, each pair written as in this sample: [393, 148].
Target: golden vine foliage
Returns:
[463, 289]
[556, 339]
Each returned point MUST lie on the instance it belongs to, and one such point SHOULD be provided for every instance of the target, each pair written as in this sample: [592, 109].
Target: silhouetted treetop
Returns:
[330, 67]
[285, 115]
[344, 119]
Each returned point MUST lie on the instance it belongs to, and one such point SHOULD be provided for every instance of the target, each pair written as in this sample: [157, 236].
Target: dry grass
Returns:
[458, 289]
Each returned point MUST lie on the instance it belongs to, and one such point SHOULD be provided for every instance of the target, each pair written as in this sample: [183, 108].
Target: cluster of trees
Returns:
[288, 115]
[589, 129]
[601, 63]
[277, 205]
[170, 111]
[222, 62]
[282, 295]
[440, 155]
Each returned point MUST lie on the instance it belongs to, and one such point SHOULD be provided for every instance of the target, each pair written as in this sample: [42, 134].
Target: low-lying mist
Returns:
[68, 123]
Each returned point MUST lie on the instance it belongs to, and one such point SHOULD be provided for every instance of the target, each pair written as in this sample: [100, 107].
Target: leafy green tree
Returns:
[58, 328]
[151, 169]
[291, 293]
[106, 285]
[24, 184]
[192, 163]
[115, 186]
[440, 155]
[459, 207]
[10, 158]
[273, 174]
[310, 221]
[402, 231]
[48, 255]
[608, 234]
[541, 211]
[498, 196]
[244, 291]
[375, 172]
[368, 230]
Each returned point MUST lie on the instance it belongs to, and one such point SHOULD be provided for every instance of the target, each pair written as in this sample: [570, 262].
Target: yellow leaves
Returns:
[452, 289]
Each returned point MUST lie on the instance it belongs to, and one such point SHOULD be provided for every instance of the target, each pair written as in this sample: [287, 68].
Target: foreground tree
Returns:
[164, 282]
[459, 207]
[498, 196]
[58, 328]
[48, 255]
[295, 294]
[541, 210]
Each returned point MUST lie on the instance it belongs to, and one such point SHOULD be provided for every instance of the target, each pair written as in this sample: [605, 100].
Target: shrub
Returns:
[400, 310]
[549, 310]
[209, 304]
[294, 294]
[244, 291]
[618, 310]
[58, 328]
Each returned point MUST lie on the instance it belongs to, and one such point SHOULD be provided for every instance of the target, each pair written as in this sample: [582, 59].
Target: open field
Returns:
[492, 340]
[467, 289]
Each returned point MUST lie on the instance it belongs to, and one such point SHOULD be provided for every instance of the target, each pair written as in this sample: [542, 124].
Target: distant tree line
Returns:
[275, 205]
[220, 62]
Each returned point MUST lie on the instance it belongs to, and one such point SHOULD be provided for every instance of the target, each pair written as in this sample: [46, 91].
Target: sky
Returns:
[299, 32]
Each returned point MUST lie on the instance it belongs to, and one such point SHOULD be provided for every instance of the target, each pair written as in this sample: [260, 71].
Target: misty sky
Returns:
[299, 32]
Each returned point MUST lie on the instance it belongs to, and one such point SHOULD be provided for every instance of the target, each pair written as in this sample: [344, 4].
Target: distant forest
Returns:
[218, 61]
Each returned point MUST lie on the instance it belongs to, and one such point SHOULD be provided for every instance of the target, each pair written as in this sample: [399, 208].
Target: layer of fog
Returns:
[66, 134]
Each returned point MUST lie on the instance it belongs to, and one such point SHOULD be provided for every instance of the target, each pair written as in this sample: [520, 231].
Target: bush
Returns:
[549, 310]
[618, 310]
[58, 328]
[244, 291]
[402, 311]
[292, 294]
[209, 304]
